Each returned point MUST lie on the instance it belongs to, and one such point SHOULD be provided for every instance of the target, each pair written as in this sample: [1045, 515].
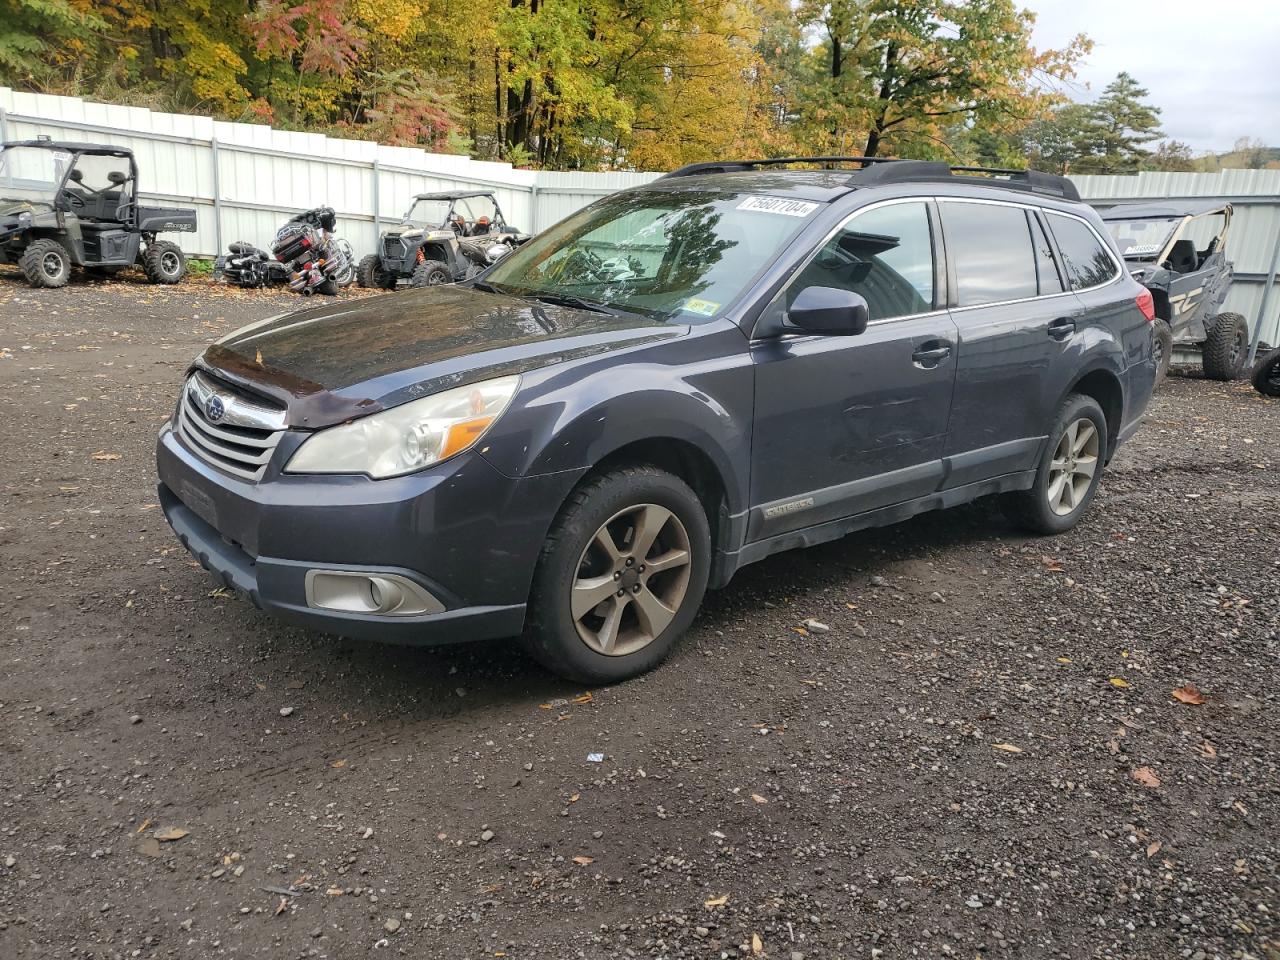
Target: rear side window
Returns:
[990, 245]
[1087, 260]
[884, 254]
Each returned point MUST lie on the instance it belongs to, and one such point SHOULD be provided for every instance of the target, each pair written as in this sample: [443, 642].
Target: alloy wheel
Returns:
[52, 265]
[169, 262]
[1074, 463]
[631, 579]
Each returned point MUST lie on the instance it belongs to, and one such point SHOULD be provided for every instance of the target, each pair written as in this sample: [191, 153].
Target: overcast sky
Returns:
[1212, 66]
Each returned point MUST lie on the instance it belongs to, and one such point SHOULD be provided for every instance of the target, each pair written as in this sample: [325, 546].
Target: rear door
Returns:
[846, 424]
[1017, 325]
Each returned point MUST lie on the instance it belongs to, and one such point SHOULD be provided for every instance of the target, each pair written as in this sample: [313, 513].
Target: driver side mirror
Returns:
[829, 310]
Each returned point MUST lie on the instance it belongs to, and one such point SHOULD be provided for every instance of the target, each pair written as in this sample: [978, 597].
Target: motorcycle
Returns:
[305, 254]
[1266, 374]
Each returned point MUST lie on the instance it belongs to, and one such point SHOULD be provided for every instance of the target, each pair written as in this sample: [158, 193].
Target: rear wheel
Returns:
[164, 262]
[621, 576]
[1069, 469]
[1163, 349]
[431, 273]
[46, 263]
[1226, 348]
[1266, 375]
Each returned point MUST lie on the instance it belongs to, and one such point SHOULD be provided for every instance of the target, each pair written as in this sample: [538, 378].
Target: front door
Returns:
[845, 424]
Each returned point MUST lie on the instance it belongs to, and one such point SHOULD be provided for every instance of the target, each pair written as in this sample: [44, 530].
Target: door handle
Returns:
[1062, 328]
[929, 356]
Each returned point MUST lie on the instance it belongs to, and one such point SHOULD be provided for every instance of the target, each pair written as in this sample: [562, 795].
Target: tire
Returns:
[1226, 348]
[1266, 374]
[46, 263]
[1044, 509]
[328, 287]
[370, 274]
[1163, 335]
[431, 273]
[616, 505]
[164, 262]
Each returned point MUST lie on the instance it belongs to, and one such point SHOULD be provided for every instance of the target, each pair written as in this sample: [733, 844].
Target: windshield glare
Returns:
[681, 256]
[427, 214]
[1142, 238]
[31, 173]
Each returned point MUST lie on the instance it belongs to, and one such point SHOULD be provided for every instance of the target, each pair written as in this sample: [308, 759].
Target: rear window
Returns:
[1088, 262]
[991, 247]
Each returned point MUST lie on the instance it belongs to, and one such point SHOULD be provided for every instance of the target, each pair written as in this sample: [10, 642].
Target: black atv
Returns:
[445, 237]
[1177, 249]
[71, 204]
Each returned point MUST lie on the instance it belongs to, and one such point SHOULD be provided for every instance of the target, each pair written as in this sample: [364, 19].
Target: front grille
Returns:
[239, 439]
[393, 248]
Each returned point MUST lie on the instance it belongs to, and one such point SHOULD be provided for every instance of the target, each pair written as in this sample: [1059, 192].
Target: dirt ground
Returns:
[981, 757]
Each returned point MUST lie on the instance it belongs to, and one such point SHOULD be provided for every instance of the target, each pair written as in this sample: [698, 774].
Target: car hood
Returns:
[353, 357]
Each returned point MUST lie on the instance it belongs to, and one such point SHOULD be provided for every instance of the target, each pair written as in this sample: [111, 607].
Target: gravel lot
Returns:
[981, 756]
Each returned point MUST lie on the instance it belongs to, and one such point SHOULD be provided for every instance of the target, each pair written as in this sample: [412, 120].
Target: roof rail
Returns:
[879, 170]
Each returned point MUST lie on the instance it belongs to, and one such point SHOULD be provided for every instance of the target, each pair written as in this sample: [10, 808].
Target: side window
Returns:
[885, 254]
[990, 245]
[1088, 261]
[1046, 266]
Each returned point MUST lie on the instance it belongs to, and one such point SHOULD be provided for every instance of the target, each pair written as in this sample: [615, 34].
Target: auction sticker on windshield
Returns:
[790, 208]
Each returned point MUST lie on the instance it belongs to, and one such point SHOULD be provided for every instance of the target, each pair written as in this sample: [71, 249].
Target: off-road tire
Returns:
[431, 273]
[46, 263]
[371, 276]
[328, 287]
[1163, 335]
[1266, 374]
[1030, 509]
[551, 634]
[164, 262]
[1226, 348]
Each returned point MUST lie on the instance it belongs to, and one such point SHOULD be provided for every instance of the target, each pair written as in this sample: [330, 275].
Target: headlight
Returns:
[409, 437]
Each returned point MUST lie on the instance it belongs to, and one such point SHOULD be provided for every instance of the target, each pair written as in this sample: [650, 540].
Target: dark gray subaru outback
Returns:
[736, 359]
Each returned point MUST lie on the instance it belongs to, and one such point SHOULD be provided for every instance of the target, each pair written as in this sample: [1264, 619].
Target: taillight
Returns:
[1147, 304]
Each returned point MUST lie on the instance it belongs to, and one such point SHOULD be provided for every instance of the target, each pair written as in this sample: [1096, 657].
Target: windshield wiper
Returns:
[568, 300]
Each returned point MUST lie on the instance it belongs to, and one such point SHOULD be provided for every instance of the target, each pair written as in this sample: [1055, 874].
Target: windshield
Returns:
[681, 256]
[427, 214]
[1142, 238]
[31, 173]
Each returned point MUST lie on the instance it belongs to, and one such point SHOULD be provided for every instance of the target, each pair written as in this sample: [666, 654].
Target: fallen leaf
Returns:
[573, 798]
[1187, 693]
[149, 847]
[1147, 777]
[1153, 849]
[1208, 749]
[584, 861]
[758, 799]
[801, 630]
[338, 764]
[282, 905]
[1064, 659]
[334, 892]
[1008, 748]
[1052, 564]
[585, 698]
[257, 357]
[169, 834]
[719, 901]
[1240, 806]
[1119, 682]
[757, 946]
[145, 823]
[103, 455]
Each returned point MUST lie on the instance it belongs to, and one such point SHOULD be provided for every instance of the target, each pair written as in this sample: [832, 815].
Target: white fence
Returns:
[243, 179]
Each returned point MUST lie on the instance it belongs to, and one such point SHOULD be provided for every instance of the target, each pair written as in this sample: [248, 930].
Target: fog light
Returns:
[382, 594]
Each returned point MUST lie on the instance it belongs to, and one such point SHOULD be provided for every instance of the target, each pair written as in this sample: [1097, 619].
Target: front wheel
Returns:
[1069, 469]
[1163, 348]
[1226, 348]
[431, 273]
[164, 262]
[621, 576]
[1266, 375]
[46, 263]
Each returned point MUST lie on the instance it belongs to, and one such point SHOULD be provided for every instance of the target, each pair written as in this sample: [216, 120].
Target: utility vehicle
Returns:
[65, 205]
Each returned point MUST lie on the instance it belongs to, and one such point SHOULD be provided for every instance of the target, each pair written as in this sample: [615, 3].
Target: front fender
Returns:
[697, 389]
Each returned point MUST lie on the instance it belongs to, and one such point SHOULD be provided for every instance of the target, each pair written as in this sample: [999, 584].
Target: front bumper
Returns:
[464, 532]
